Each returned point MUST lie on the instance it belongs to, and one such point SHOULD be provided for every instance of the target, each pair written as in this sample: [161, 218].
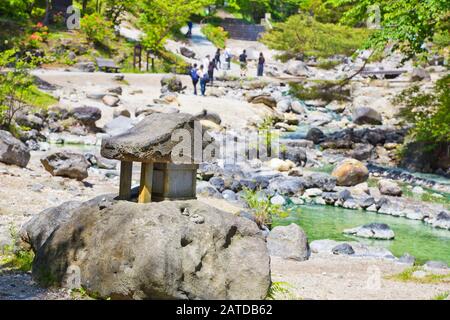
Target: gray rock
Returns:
[223, 257]
[188, 53]
[29, 120]
[315, 135]
[209, 115]
[85, 66]
[323, 246]
[435, 265]
[118, 126]
[343, 248]
[361, 151]
[295, 154]
[172, 83]
[373, 231]
[112, 101]
[366, 115]
[205, 189]
[319, 180]
[278, 200]
[218, 183]
[147, 110]
[297, 68]
[288, 242]
[265, 99]
[407, 259]
[116, 90]
[389, 188]
[229, 195]
[152, 138]
[66, 164]
[87, 115]
[298, 107]
[287, 185]
[442, 220]
[284, 105]
[419, 74]
[121, 112]
[12, 150]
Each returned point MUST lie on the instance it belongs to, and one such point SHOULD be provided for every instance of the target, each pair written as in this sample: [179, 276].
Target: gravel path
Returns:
[346, 278]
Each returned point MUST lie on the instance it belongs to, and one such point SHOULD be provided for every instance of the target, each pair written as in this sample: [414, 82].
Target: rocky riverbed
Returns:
[339, 154]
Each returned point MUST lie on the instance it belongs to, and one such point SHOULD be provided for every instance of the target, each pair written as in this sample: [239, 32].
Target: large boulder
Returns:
[87, 115]
[389, 188]
[172, 83]
[350, 172]
[66, 164]
[315, 135]
[188, 53]
[166, 250]
[380, 231]
[12, 150]
[265, 99]
[288, 242]
[297, 68]
[366, 115]
[419, 74]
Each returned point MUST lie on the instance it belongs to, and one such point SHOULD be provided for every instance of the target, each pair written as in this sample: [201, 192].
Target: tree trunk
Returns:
[48, 8]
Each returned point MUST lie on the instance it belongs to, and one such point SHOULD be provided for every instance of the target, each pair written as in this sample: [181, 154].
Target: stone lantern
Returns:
[169, 148]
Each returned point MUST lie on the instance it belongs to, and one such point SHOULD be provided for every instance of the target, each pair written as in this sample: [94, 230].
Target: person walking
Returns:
[217, 59]
[261, 63]
[227, 55]
[190, 26]
[204, 79]
[205, 62]
[194, 76]
[211, 67]
[243, 63]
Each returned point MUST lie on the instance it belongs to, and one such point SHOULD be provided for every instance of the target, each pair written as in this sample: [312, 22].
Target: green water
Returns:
[413, 237]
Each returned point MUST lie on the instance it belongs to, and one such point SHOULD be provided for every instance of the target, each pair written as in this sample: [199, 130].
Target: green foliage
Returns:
[407, 275]
[159, 18]
[442, 296]
[302, 34]
[320, 90]
[216, 35]
[429, 112]
[323, 11]
[263, 208]
[15, 8]
[97, 29]
[15, 85]
[15, 258]
[406, 24]
[280, 290]
[114, 9]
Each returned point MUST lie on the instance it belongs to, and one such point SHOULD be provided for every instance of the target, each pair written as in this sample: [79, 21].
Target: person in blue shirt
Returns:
[194, 76]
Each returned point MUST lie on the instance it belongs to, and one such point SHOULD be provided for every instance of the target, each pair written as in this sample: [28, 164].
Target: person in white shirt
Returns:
[205, 62]
[227, 56]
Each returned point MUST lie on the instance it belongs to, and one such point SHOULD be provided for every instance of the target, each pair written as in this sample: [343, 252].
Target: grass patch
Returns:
[38, 98]
[216, 34]
[14, 258]
[327, 64]
[281, 291]
[442, 296]
[407, 275]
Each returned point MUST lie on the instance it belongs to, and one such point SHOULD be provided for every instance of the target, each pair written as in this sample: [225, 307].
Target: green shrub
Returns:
[320, 90]
[216, 34]
[301, 34]
[97, 29]
[429, 112]
[15, 258]
[263, 208]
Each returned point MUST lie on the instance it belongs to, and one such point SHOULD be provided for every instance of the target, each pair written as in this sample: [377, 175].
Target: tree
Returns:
[115, 8]
[302, 34]
[406, 24]
[15, 83]
[160, 17]
[15, 8]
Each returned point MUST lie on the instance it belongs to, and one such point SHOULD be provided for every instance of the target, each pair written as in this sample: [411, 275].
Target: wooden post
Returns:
[126, 170]
[145, 191]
